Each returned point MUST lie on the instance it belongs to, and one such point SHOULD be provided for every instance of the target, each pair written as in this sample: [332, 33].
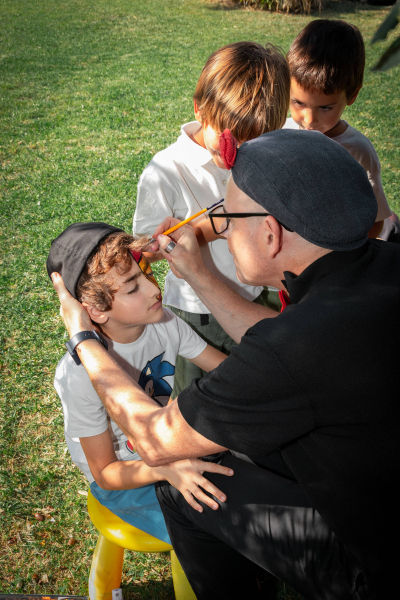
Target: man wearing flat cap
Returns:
[307, 403]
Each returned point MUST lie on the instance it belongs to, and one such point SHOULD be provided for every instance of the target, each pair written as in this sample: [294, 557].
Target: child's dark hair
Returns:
[95, 286]
[328, 56]
[246, 88]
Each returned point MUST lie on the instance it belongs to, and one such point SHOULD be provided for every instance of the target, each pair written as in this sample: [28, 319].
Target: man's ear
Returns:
[274, 235]
[354, 97]
[197, 113]
[98, 316]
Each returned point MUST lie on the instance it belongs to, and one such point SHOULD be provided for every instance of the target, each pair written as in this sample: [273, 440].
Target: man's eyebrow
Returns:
[135, 276]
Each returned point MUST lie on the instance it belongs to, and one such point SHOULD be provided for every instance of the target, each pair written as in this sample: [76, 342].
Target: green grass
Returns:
[89, 92]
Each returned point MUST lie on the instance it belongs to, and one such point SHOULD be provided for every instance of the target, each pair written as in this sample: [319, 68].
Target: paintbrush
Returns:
[175, 227]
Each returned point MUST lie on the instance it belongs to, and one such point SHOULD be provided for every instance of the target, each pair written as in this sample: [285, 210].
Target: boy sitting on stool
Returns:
[101, 268]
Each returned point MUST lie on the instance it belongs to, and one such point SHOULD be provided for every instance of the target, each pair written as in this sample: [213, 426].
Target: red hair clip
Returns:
[227, 148]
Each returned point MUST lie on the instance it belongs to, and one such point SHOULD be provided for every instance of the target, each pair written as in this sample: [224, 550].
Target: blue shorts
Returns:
[138, 507]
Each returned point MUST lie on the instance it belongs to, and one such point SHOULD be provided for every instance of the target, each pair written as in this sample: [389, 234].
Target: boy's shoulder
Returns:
[67, 369]
[184, 152]
[360, 147]
[355, 137]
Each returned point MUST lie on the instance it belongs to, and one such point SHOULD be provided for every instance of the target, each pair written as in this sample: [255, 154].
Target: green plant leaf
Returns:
[390, 58]
[388, 24]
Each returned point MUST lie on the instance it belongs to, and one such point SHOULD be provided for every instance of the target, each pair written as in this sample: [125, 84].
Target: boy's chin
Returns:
[156, 315]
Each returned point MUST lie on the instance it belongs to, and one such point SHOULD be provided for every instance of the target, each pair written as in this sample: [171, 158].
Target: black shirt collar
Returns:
[299, 285]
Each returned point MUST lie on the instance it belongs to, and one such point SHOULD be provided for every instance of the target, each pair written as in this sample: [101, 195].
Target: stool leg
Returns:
[106, 570]
[182, 587]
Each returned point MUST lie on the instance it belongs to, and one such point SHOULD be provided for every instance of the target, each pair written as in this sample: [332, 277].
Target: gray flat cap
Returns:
[309, 183]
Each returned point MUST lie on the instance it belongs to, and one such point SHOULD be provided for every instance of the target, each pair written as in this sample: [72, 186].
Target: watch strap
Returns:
[81, 337]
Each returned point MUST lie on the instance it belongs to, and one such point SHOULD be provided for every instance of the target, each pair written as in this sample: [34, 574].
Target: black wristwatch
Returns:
[81, 337]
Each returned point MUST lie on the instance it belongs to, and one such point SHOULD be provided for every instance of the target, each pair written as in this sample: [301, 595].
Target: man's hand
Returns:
[187, 477]
[75, 317]
[154, 248]
[185, 260]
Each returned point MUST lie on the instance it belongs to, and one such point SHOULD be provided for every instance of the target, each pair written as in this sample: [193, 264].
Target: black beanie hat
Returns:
[70, 251]
[309, 183]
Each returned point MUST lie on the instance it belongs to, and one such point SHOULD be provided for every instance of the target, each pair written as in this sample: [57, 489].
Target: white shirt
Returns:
[359, 146]
[150, 361]
[178, 182]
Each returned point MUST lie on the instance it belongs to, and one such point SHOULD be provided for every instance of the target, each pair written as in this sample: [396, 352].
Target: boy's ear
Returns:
[98, 316]
[197, 113]
[354, 97]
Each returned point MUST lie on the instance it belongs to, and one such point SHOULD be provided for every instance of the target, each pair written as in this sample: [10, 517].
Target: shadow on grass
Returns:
[149, 590]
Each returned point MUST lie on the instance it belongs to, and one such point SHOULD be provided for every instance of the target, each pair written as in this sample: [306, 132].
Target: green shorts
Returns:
[213, 334]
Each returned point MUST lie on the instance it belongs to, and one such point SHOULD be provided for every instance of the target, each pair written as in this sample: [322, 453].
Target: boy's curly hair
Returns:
[246, 88]
[328, 56]
[95, 286]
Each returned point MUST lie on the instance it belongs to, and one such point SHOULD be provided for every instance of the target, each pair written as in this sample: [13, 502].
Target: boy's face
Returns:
[210, 138]
[211, 141]
[137, 302]
[315, 111]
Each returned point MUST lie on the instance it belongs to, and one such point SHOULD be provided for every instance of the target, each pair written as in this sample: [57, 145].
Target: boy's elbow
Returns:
[103, 483]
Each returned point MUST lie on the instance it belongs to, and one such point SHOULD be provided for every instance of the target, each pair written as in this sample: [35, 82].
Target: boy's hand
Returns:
[187, 477]
[75, 317]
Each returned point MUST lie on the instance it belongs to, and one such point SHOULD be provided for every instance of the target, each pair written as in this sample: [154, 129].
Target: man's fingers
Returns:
[59, 286]
[166, 224]
[153, 247]
[73, 313]
[163, 241]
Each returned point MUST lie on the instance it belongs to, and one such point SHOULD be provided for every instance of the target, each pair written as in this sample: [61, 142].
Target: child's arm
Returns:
[374, 231]
[205, 232]
[209, 359]
[111, 473]
[186, 475]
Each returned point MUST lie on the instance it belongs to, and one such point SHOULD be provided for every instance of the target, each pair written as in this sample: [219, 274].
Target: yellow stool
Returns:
[114, 537]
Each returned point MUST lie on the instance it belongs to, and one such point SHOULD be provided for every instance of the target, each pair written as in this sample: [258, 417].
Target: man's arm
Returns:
[160, 435]
[186, 475]
[234, 313]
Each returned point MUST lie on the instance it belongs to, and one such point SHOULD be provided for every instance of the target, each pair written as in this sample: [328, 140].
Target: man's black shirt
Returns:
[320, 383]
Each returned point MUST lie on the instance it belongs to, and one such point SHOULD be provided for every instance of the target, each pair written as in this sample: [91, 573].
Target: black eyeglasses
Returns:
[225, 218]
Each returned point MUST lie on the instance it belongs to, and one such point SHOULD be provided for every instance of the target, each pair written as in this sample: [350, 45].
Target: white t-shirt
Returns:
[364, 152]
[178, 182]
[150, 361]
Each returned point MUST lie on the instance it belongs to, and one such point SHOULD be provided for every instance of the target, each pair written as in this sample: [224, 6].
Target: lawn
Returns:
[90, 91]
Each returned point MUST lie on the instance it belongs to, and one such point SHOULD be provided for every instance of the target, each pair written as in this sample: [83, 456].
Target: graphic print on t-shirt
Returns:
[152, 381]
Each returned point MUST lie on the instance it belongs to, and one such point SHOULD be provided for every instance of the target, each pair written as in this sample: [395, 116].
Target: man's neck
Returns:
[122, 334]
[300, 263]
